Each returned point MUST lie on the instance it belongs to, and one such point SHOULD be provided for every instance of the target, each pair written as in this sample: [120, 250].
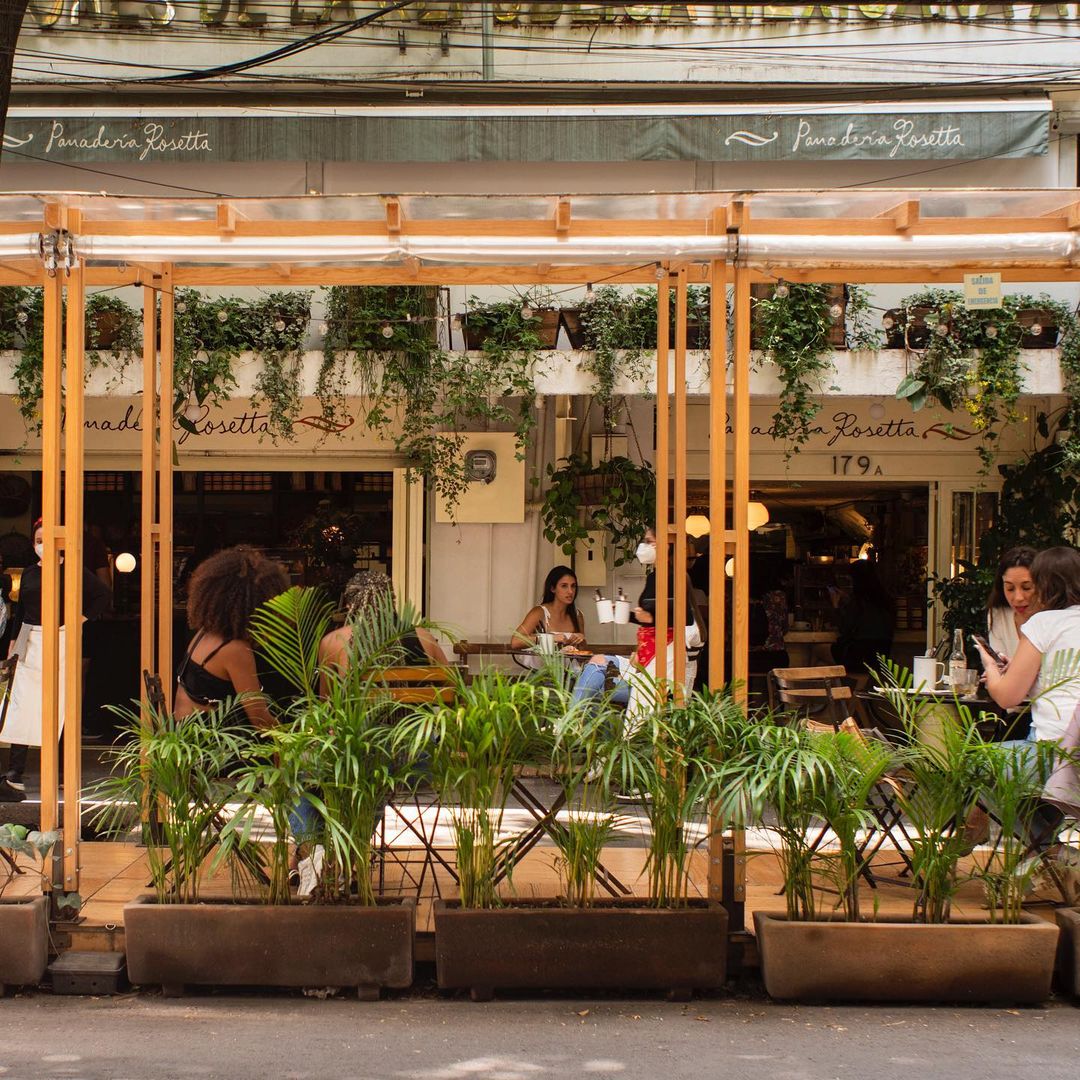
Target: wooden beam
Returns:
[679, 561]
[393, 215]
[53, 536]
[284, 269]
[663, 472]
[717, 472]
[74, 434]
[54, 215]
[165, 479]
[905, 215]
[740, 623]
[563, 215]
[226, 218]
[148, 552]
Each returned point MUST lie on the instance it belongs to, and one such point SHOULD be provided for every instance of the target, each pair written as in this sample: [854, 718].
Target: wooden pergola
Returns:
[67, 242]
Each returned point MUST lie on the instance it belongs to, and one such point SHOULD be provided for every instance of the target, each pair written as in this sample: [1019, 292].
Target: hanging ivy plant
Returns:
[793, 327]
[279, 323]
[113, 338]
[972, 359]
[209, 336]
[616, 496]
[618, 328]
[419, 395]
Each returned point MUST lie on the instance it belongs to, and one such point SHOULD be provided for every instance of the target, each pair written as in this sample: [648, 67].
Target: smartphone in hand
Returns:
[989, 650]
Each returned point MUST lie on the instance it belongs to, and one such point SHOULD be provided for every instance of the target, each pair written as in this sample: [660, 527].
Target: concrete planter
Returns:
[904, 961]
[616, 945]
[24, 941]
[246, 944]
[1068, 970]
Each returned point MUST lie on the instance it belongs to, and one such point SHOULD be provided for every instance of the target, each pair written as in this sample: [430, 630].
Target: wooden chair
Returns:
[417, 684]
[814, 693]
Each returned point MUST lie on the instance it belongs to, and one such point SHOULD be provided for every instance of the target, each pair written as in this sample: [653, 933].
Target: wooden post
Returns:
[53, 537]
[73, 576]
[663, 466]
[740, 623]
[717, 470]
[165, 480]
[149, 493]
[679, 561]
[719, 873]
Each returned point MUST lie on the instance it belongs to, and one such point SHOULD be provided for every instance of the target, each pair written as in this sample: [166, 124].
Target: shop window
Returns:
[238, 481]
[973, 514]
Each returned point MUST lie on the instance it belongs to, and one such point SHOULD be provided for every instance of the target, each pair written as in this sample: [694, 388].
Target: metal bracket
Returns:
[57, 251]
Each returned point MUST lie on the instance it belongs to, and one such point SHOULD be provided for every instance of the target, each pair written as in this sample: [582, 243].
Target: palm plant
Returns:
[180, 771]
[1013, 778]
[670, 755]
[583, 740]
[946, 776]
[473, 748]
[335, 749]
[782, 770]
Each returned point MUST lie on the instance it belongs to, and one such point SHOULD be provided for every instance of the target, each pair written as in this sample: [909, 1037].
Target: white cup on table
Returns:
[927, 672]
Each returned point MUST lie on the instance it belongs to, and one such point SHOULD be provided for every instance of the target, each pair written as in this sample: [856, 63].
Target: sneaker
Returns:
[15, 782]
[310, 869]
[10, 793]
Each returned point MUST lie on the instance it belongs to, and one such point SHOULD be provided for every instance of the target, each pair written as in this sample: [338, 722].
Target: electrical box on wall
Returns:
[590, 560]
[497, 495]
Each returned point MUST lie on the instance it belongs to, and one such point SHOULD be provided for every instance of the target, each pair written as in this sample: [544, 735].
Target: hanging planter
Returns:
[1039, 328]
[508, 320]
[834, 301]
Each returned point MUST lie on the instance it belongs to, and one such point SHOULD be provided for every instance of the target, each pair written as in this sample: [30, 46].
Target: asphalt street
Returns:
[232, 1037]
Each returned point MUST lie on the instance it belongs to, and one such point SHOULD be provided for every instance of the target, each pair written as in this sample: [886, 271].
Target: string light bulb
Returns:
[836, 312]
[888, 322]
[991, 331]
[782, 291]
[222, 315]
[387, 330]
[526, 311]
[192, 410]
[942, 329]
[661, 273]
[279, 325]
[590, 293]
[1035, 329]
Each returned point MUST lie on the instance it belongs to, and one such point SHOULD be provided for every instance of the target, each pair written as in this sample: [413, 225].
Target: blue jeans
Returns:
[590, 684]
[303, 821]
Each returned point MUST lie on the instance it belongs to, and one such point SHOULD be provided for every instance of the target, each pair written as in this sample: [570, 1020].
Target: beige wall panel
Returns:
[503, 500]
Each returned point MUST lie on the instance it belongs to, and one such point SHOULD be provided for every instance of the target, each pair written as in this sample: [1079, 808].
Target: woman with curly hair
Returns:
[220, 663]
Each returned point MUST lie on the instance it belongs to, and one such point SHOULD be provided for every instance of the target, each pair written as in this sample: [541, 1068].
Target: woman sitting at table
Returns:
[1046, 664]
[1011, 601]
[220, 662]
[363, 594]
[556, 614]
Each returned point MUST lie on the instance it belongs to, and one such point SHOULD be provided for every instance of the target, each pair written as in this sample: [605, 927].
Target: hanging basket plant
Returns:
[279, 323]
[419, 395]
[798, 326]
[616, 496]
[971, 359]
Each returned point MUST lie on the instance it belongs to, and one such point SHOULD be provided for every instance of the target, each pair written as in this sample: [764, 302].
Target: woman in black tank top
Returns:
[219, 663]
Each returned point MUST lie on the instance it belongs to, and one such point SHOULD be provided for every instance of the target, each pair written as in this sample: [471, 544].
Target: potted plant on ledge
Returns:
[581, 940]
[24, 920]
[810, 779]
[325, 773]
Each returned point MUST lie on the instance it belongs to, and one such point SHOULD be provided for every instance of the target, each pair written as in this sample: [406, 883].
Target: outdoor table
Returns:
[504, 648]
[942, 710]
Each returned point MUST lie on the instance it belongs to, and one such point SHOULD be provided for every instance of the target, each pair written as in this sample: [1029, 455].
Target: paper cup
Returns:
[622, 611]
[605, 611]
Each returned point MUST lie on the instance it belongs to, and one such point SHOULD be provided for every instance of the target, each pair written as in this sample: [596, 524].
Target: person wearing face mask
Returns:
[630, 689]
[22, 728]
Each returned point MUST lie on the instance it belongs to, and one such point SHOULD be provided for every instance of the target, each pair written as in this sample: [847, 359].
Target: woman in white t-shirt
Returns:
[1046, 666]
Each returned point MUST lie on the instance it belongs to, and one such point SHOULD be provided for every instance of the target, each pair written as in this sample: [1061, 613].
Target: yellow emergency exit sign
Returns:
[982, 291]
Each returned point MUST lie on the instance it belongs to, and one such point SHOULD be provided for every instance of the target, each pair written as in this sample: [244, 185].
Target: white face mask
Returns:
[39, 550]
[646, 553]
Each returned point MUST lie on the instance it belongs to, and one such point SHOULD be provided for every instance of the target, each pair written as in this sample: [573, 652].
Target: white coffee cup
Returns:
[927, 672]
[545, 643]
[605, 611]
[622, 611]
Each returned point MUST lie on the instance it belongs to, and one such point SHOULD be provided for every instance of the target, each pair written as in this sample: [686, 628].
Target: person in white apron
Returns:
[23, 725]
[636, 684]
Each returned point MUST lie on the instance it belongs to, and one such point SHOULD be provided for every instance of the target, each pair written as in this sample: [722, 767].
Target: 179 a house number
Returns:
[850, 465]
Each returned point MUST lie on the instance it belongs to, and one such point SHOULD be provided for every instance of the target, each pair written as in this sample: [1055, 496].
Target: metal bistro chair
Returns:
[411, 685]
[813, 693]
